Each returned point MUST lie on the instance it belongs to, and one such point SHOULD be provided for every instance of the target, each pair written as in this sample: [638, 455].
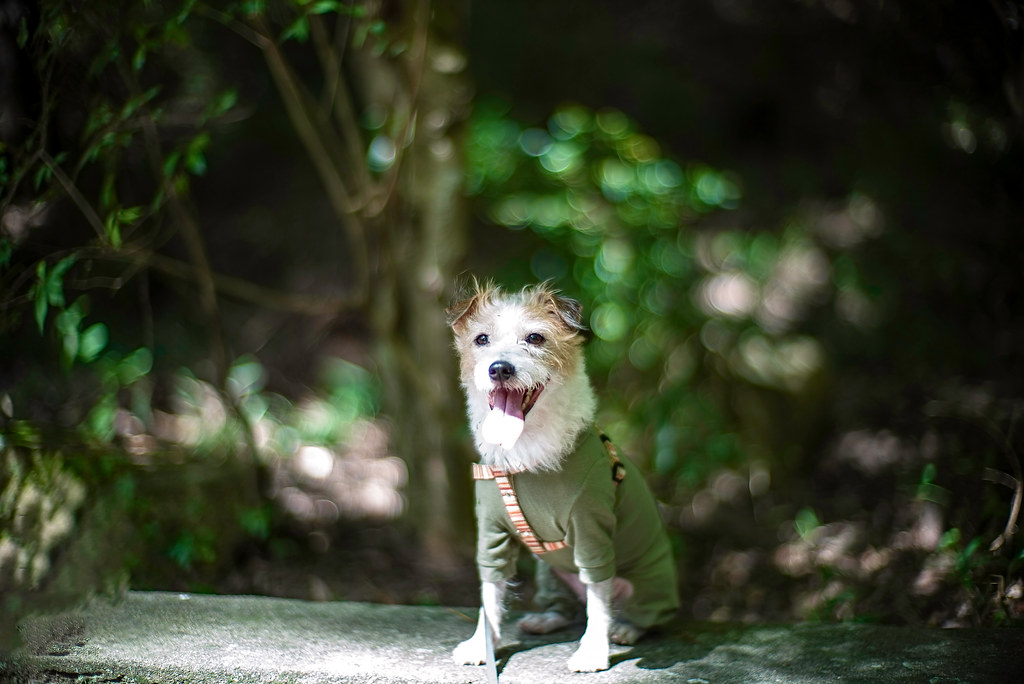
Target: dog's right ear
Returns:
[466, 301]
[458, 313]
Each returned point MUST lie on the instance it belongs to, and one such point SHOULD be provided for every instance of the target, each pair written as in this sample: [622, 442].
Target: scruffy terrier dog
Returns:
[549, 479]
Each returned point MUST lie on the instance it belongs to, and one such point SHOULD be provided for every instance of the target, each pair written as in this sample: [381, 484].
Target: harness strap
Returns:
[503, 478]
[618, 469]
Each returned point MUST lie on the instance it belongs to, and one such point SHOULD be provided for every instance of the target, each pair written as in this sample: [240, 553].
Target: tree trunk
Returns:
[422, 241]
[405, 221]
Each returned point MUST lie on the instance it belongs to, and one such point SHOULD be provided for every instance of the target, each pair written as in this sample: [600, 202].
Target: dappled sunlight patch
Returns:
[328, 455]
[870, 452]
[39, 501]
[846, 224]
[798, 281]
[314, 462]
[725, 488]
[933, 576]
[789, 364]
[733, 295]
[925, 534]
[355, 481]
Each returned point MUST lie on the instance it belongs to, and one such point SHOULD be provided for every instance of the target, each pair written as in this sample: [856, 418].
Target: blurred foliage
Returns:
[725, 352]
[133, 444]
[688, 320]
[792, 225]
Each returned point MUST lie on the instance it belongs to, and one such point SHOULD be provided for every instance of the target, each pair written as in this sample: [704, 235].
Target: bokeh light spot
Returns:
[609, 322]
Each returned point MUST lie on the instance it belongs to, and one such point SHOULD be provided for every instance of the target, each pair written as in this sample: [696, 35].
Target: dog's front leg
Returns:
[473, 651]
[592, 655]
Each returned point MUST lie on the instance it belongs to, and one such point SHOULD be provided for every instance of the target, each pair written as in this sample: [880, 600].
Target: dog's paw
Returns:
[589, 657]
[472, 651]
[625, 633]
[543, 623]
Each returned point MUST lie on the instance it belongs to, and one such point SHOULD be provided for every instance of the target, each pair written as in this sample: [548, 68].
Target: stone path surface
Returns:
[164, 638]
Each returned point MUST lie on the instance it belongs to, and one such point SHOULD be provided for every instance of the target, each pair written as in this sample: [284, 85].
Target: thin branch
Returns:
[417, 66]
[319, 144]
[337, 101]
[41, 131]
[249, 292]
[191, 233]
[1018, 493]
[71, 190]
[229, 21]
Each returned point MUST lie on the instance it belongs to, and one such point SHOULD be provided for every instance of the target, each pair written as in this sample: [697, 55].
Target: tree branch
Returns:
[417, 65]
[319, 144]
[71, 190]
[247, 291]
[338, 102]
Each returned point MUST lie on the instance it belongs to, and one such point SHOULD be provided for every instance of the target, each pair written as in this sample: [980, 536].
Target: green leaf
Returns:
[6, 250]
[950, 538]
[806, 522]
[222, 104]
[67, 321]
[39, 293]
[69, 342]
[185, 11]
[108, 190]
[100, 421]
[299, 30]
[254, 7]
[92, 341]
[139, 58]
[256, 521]
[22, 32]
[135, 366]
[63, 265]
[129, 214]
[171, 163]
[113, 230]
[325, 6]
[42, 176]
[68, 324]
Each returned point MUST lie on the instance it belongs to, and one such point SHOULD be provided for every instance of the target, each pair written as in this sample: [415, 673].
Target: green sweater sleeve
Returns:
[497, 547]
[592, 527]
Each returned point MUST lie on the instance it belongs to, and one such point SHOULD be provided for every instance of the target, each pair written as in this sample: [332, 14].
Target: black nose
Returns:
[500, 371]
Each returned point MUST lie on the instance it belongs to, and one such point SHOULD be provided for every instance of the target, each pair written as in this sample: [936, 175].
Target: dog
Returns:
[548, 479]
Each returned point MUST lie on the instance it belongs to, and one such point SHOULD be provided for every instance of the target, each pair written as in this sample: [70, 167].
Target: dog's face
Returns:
[514, 349]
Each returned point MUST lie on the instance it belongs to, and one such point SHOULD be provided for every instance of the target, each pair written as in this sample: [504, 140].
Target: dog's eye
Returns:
[535, 338]
[481, 340]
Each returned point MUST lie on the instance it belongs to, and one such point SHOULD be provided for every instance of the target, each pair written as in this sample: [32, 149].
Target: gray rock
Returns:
[165, 637]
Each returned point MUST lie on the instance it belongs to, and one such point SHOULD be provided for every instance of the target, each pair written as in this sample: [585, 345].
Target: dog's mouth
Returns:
[506, 420]
[514, 401]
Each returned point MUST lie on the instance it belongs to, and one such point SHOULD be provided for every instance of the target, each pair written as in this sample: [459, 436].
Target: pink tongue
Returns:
[510, 401]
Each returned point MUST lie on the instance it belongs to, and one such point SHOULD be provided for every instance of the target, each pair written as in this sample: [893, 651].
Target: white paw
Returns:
[543, 623]
[472, 651]
[624, 633]
[590, 657]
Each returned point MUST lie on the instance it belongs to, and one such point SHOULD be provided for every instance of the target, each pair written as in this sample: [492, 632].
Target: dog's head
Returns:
[512, 348]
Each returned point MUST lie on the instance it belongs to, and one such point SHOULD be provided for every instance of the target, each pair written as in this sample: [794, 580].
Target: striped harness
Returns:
[503, 478]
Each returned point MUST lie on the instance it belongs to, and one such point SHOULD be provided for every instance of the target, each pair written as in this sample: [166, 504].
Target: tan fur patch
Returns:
[536, 309]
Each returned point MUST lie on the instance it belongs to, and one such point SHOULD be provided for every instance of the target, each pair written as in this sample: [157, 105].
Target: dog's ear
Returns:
[466, 301]
[566, 310]
[570, 312]
[460, 311]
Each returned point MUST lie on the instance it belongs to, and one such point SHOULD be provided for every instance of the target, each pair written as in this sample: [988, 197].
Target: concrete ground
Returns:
[164, 637]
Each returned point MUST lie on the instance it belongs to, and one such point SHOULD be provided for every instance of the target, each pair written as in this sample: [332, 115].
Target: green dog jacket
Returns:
[609, 529]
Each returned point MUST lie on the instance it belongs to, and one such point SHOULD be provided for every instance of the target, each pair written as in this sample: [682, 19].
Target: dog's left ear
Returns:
[570, 312]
